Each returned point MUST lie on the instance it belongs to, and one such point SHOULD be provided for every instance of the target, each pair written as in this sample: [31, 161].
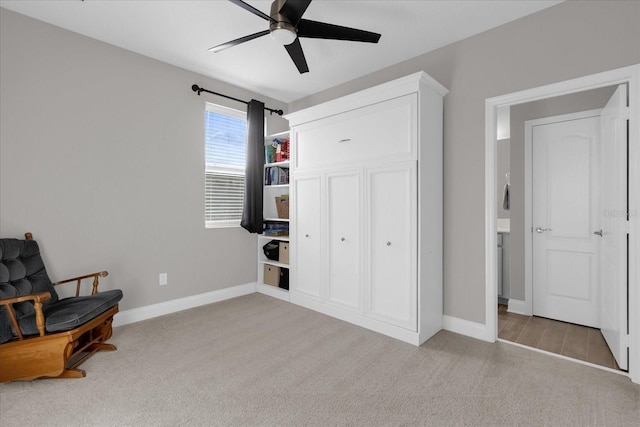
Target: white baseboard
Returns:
[518, 307]
[274, 292]
[466, 327]
[173, 306]
[449, 323]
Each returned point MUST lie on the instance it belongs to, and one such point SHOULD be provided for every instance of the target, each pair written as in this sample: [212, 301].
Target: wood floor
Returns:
[567, 339]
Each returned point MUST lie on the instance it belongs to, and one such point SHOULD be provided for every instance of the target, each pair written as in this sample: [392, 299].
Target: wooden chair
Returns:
[42, 335]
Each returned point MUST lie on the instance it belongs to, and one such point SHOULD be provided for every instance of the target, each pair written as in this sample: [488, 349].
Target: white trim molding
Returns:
[466, 327]
[629, 75]
[518, 307]
[156, 310]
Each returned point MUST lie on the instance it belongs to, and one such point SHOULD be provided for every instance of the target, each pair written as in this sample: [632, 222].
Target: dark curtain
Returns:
[252, 206]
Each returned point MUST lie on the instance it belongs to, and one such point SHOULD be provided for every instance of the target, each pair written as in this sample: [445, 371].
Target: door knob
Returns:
[542, 230]
[598, 233]
[343, 239]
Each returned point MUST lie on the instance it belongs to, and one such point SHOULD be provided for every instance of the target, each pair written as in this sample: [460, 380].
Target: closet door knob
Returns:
[388, 243]
[343, 239]
[306, 235]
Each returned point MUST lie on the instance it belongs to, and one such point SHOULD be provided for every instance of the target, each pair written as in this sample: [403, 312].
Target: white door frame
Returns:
[527, 306]
[629, 75]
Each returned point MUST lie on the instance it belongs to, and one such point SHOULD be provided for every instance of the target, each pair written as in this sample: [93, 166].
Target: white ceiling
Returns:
[179, 32]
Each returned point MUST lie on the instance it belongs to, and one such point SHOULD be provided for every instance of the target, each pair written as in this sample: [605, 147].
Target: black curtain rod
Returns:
[199, 89]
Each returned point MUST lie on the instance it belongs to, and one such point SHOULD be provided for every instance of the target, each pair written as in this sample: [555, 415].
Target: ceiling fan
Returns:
[286, 26]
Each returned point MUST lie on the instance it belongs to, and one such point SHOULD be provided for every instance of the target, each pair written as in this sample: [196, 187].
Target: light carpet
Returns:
[255, 360]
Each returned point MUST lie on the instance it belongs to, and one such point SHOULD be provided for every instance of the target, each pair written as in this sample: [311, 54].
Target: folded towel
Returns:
[505, 197]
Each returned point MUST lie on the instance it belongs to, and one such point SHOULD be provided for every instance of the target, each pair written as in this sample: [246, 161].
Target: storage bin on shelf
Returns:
[276, 276]
[283, 252]
[271, 275]
[282, 206]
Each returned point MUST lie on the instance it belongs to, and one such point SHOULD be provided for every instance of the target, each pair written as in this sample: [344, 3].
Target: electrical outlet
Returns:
[163, 279]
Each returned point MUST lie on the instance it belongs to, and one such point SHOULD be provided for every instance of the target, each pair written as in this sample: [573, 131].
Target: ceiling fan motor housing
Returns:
[281, 23]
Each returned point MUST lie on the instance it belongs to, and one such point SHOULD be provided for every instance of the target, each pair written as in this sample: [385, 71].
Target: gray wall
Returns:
[102, 158]
[570, 40]
[583, 101]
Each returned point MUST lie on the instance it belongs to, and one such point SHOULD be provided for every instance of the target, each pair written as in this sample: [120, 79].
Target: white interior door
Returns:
[613, 223]
[343, 239]
[564, 218]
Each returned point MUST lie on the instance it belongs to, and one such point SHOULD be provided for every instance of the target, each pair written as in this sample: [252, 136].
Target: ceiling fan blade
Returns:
[251, 9]
[235, 42]
[321, 30]
[294, 9]
[296, 53]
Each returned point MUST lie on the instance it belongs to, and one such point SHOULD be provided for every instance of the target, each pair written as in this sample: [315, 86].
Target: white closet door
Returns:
[344, 246]
[307, 232]
[391, 285]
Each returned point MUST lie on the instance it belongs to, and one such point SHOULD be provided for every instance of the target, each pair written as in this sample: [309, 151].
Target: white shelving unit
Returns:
[270, 214]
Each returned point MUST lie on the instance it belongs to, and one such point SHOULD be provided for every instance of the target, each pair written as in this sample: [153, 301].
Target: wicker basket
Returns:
[282, 206]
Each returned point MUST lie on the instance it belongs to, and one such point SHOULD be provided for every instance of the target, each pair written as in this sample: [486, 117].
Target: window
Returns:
[225, 151]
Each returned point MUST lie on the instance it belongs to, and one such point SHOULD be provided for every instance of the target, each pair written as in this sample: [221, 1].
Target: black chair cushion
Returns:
[69, 313]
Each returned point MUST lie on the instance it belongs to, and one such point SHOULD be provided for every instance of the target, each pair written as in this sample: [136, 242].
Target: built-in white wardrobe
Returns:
[366, 215]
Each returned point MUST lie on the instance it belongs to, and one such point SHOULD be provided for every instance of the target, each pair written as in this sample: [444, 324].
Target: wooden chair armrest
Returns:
[37, 299]
[79, 280]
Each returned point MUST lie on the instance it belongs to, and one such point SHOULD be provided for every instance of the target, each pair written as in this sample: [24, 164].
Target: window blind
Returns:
[225, 152]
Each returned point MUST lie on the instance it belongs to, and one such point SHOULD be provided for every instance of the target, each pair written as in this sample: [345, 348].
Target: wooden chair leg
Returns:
[73, 373]
[70, 373]
[102, 347]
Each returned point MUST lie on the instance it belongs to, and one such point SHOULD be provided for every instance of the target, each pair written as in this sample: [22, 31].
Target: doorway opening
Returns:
[562, 198]
[626, 75]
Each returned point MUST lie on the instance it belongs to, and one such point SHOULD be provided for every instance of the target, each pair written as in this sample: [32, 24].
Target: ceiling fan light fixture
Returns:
[284, 36]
